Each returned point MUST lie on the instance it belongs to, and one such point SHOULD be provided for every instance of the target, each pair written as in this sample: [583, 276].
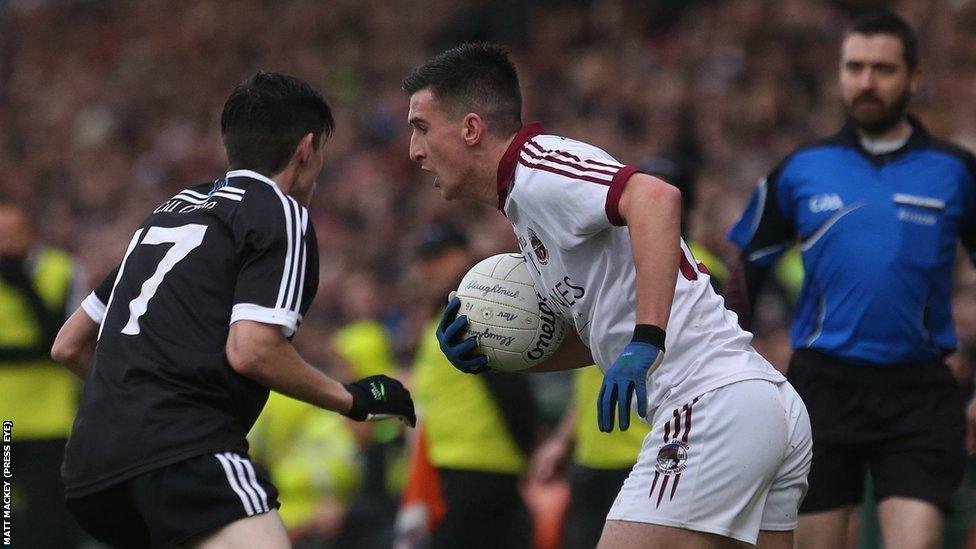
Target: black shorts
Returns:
[168, 506]
[906, 423]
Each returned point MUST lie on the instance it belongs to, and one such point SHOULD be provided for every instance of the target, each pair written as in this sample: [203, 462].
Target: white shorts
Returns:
[732, 462]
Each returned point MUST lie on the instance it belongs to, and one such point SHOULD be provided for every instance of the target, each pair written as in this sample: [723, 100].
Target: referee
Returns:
[193, 328]
[877, 211]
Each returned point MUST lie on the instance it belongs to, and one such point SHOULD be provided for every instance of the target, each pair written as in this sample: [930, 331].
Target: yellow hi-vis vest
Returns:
[595, 449]
[39, 395]
[366, 345]
[311, 454]
[464, 428]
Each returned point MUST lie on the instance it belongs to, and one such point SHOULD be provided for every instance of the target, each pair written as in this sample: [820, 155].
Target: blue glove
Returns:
[459, 353]
[628, 375]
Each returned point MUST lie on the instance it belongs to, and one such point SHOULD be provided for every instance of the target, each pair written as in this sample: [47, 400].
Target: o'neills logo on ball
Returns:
[547, 329]
[541, 253]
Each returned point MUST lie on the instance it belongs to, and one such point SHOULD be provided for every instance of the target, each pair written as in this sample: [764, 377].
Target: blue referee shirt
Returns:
[878, 238]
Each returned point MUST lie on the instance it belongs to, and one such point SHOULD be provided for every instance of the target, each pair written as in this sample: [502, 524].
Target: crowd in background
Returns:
[108, 108]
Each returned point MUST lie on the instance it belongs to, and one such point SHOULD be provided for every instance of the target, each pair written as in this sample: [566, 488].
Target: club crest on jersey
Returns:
[671, 458]
[541, 253]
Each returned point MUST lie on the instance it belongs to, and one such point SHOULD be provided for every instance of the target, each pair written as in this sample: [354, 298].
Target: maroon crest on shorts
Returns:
[541, 253]
[671, 457]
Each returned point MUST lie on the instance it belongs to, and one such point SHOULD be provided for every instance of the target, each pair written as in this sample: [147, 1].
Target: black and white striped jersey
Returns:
[160, 389]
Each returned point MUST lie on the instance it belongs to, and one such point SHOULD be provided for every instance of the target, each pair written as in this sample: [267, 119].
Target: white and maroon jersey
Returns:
[562, 198]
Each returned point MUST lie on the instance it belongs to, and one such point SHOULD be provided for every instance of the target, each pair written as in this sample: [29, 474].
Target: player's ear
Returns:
[473, 129]
[306, 148]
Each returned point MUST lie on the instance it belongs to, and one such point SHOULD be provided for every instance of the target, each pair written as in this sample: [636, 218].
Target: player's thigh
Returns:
[774, 540]
[638, 535]
[908, 523]
[708, 465]
[265, 530]
[824, 529]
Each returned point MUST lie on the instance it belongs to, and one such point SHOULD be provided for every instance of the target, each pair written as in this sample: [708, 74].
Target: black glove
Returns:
[380, 397]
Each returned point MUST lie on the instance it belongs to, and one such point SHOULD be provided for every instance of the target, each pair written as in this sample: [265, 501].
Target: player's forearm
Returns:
[269, 359]
[74, 345]
[571, 354]
[652, 210]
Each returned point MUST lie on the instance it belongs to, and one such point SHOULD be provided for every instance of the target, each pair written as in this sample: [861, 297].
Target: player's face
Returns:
[875, 81]
[437, 144]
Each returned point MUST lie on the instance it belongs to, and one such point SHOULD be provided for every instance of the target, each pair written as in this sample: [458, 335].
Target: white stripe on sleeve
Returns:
[296, 243]
[94, 308]
[286, 268]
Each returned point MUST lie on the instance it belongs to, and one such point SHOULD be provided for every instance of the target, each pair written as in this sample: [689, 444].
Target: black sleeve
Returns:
[763, 233]
[270, 234]
[742, 289]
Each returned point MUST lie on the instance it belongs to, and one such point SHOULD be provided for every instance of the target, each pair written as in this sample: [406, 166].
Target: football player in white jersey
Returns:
[728, 456]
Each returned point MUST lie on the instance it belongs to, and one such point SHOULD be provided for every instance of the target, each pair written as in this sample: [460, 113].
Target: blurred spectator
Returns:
[39, 287]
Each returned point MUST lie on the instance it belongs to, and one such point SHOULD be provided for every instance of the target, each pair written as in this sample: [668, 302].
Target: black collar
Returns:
[849, 137]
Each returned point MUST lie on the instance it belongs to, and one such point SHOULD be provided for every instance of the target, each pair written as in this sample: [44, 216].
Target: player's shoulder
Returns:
[548, 160]
[566, 147]
[264, 199]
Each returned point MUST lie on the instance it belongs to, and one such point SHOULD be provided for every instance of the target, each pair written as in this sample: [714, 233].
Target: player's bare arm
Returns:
[260, 352]
[75, 344]
[652, 210]
[571, 354]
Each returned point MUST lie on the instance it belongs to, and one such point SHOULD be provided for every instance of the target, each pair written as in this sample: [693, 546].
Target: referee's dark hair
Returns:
[887, 22]
[266, 117]
[473, 77]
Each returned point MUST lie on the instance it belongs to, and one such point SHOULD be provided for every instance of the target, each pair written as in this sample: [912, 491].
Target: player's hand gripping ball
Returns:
[506, 324]
[459, 350]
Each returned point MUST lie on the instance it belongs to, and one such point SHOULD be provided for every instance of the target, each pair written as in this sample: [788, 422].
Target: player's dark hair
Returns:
[887, 22]
[266, 117]
[475, 78]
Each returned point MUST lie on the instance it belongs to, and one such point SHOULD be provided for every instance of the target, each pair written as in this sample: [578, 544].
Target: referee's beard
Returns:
[888, 117]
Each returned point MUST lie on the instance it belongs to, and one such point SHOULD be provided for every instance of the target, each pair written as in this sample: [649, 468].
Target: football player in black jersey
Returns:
[180, 344]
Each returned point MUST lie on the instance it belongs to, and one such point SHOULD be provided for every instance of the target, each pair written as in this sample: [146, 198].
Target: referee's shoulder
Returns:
[813, 151]
[958, 152]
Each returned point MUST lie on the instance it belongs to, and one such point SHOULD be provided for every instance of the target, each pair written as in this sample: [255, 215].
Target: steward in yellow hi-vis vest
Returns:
[38, 397]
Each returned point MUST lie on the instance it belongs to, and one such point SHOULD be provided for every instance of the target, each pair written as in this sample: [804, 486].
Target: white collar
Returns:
[253, 175]
[884, 146]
